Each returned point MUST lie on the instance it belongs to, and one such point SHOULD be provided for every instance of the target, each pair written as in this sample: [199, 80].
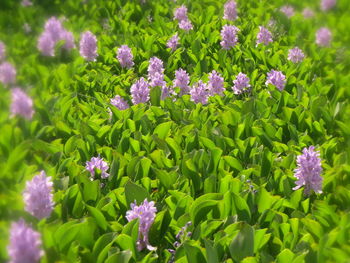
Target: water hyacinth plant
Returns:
[174, 131]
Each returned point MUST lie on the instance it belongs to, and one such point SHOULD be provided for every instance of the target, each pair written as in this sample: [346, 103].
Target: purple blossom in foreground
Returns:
[125, 57]
[199, 93]
[276, 78]
[264, 36]
[288, 10]
[7, 73]
[167, 91]
[309, 171]
[46, 45]
[182, 80]
[38, 197]
[308, 13]
[120, 103]
[54, 28]
[241, 83]
[21, 104]
[180, 13]
[216, 83]
[88, 46]
[2, 50]
[230, 10]
[97, 163]
[25, 243]
[173, 42]
[146, 213]
[185, 25]
[26, 3]
[327, 4]
[296, 55]
[323, 37]
[68, 39]
[229, 36]
[155, 66]
[140, 91]
[157, 79]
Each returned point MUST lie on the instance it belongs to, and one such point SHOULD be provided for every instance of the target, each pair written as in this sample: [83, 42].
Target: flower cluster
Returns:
[327, 4]
[173, 42]
[97, 163]
[7, 73]
[229, 36]
[276, 78]
[21, 104]
[287, 10]
[180, 14]
[216, 84]
[296, 55]
[181, 236]
[156, 72]
[119, 103]
[241, 83]
[54, 32]
[38, 197]
[308, 12]
[264, 36]
[182, 80]
[24, 244]
[308, 171]
[26, 3]
[125, 56]
[230, 10]
[199, 92]
[323, 37]
[146, 213]
[88, 46]
[140, 91]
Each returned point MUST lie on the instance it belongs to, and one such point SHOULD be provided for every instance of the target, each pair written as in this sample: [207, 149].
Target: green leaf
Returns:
[99, 217]
[242, 245]
[120, 257]
[134, 192]
[163, 129]
[155, 95]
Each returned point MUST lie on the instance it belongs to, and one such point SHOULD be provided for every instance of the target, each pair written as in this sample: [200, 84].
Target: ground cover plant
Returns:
[174, 131]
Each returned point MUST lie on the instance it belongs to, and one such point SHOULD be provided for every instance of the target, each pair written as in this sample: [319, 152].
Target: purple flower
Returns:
[167, 91]
[120, 103]
[68, 39]
[26, 3]
[295, 55]
[241, 83]
[182, 80]
[54, 28]
[287, 10]
[46, 45]
[7, 73]
[155, 66]
[173, 42]
[264, 36]
[24, 244]
[97, 163]
[21, 104]
[323, 37]
[125, 57]
[216, 83]
[180, 13]
[276, 78]
[309, 171]
[230, 12]
[157, 79]
[308, 12]
[88, 46]
[185, 25]
[2, 50]
[140, 91]
[38, 197]
[146, 213]
[199, 93]
[229, 36]
[327, 4]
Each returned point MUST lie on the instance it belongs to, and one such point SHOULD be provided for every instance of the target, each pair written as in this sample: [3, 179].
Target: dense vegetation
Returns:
[227, 167]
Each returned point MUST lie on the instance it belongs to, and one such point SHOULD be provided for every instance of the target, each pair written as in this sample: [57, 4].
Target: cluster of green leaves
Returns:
[226, 166]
